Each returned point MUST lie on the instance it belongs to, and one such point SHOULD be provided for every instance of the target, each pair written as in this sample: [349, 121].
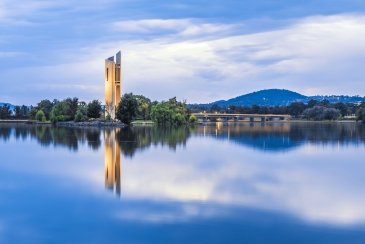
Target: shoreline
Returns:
[23, 121]
[113, 124]
[69, 124]
[91, 124]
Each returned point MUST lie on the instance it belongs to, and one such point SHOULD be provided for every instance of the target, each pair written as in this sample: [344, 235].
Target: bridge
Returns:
[206, 117]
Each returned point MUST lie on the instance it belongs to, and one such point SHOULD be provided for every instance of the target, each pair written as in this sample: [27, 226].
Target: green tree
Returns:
[46, 106]
[144, 107]
[65, 110]
[171, 112]
[72, 107]
[94, 109]
[40, 116]
[60, 112]
[17, 112]
[331, 114]
[342, 108]
[127, 108]
[296, 108]
[360, 114]
[321, 113]
[32, 112]
[81, 112]
[5, 112]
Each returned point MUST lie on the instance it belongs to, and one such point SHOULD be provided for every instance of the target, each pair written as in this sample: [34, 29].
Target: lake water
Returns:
[219, 183]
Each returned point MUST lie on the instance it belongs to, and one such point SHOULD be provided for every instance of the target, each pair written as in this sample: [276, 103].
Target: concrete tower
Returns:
[112, 84]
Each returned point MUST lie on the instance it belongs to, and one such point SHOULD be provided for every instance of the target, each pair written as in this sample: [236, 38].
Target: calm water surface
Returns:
[235, 183]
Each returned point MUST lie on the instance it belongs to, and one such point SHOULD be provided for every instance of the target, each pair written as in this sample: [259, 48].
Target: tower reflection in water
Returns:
[112, 161]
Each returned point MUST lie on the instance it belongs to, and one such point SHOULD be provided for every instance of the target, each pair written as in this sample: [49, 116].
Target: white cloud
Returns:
[319, 53]
[182, 27]
[315, 55]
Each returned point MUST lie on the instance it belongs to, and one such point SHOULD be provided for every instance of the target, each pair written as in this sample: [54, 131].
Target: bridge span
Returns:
[206, 117]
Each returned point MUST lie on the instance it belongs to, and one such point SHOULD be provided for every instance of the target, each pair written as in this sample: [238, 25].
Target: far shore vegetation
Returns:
[131, 108]
[135, 108]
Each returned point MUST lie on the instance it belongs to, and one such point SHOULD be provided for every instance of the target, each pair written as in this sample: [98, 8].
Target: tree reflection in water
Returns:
[273, 137]
[269, 136]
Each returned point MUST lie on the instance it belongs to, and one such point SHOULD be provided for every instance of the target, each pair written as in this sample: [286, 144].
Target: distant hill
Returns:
[279, 97]
[270, 97]
[10, 105]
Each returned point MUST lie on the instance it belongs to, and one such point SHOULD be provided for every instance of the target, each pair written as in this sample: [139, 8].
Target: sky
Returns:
[197, 50]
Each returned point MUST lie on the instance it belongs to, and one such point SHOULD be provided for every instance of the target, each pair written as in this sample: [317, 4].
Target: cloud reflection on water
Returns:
[310, 171]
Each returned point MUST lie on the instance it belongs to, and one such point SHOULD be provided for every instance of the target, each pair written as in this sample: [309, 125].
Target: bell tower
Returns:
[113, 80]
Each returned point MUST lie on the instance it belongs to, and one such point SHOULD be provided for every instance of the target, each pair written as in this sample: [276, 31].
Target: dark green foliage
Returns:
[32, 112]
[342, 108]
[144, 107]
[94, 109]
[46, 107]
[21, 112]
[321, 113]
[360, 114]
[64, 110]
[133, 138]
[72, 107]
[171, 112]
[127, 108]
[5, 112]
[81, 112]
[296, 109]
[60, 112]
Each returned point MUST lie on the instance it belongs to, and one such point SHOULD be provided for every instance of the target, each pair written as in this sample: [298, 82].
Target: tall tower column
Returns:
[112, 84]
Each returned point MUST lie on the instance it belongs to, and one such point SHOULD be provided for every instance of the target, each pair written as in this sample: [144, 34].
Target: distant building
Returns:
[112, 84]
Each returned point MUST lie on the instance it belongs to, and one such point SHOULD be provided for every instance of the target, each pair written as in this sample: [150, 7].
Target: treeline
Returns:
[138, 107]
[171, 112]
[313, 110]
[131, 107]
[46, 110]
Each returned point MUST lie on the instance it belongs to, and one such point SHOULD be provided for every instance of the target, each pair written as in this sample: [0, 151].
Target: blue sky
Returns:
[197, 50]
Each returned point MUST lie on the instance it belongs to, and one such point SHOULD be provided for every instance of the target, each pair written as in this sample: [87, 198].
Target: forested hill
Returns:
[280, 97]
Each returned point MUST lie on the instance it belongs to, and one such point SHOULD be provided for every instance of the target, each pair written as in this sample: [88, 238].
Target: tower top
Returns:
[118, 58]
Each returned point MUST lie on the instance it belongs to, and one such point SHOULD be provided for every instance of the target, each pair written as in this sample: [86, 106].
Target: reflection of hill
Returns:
[285, 136]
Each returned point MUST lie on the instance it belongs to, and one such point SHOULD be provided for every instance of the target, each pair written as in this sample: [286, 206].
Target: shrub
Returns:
[193, 119]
